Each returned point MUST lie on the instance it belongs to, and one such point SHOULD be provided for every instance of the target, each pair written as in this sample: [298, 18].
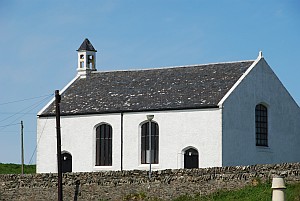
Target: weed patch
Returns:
[16, 169]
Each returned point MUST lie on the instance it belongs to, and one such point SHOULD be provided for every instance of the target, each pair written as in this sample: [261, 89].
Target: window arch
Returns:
[261, 125]
[104, 145]
[145, 143]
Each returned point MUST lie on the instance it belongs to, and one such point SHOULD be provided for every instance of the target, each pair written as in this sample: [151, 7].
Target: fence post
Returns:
[278, 187]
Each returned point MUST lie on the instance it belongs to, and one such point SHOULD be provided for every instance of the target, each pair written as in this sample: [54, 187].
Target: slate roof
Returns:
[187, 87]
[86, 46]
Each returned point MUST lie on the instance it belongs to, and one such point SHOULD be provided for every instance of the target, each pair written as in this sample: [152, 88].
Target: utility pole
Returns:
[58, 135]
[22, 148]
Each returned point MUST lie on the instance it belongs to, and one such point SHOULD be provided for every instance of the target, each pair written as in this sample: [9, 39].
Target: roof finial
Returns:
[260, 54]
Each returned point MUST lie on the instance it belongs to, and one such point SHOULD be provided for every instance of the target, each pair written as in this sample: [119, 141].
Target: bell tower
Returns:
[86, 58]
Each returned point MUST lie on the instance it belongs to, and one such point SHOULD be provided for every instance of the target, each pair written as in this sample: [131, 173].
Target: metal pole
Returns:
[122, 128]
[59, 167]
[150, 149]
[22, 148]
[150, 117]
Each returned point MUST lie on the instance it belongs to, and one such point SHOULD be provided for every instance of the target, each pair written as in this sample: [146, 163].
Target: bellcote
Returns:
[86, 58]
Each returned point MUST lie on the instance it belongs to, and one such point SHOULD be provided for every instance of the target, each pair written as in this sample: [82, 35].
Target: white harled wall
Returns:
[178, 130]
[78, 138]
[261, 85]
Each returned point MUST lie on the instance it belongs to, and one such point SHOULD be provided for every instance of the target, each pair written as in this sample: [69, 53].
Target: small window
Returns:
[104, 145]
[145, 143]
[81, 64]
[81, 56]
[90, 61]
[261, 125]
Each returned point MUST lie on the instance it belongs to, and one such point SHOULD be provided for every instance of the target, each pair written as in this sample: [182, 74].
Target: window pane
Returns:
[261, 124]
[145, 142]
[104, 145]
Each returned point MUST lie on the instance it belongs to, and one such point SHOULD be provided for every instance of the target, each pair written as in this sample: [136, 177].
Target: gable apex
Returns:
[259, 58]
[86, 46]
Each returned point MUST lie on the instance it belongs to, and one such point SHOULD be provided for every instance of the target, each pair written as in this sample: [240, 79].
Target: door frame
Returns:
[64, 161]
[183, 153]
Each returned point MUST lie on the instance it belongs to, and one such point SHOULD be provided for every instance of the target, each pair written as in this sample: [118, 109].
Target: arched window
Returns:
[145, 143]
[261, 125]
[104, 145]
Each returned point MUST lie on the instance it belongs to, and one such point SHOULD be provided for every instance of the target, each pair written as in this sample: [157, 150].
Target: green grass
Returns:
[261, 192]
[16, 169]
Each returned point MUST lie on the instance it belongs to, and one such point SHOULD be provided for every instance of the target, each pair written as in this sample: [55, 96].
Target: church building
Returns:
[208, 115]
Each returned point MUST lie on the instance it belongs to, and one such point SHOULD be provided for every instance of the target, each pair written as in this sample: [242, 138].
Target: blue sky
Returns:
[39, 39]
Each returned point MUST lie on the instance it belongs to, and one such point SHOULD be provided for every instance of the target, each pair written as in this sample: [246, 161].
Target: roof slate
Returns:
[86, 46]
[198, 86]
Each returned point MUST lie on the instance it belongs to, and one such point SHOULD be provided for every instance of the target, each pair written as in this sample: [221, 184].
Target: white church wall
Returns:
[78, 138]
[46, 145]
[178, 130]
[261, 85]
[200, 129]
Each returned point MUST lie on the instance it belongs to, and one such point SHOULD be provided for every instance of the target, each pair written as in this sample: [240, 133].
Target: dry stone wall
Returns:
[119, 185]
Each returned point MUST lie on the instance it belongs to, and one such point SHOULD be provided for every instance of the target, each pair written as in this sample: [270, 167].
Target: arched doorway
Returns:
[66, 162]
[191, 158]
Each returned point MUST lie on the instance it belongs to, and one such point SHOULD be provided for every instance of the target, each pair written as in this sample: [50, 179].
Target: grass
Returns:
[16, 169]
[261, 192]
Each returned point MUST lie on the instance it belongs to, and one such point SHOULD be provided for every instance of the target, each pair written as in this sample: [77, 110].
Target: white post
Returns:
[278, 187]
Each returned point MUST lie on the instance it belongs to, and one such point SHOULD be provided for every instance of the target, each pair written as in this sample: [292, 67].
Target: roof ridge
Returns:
[170, 67]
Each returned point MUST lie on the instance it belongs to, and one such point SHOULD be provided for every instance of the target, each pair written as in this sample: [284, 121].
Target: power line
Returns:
[33, 107]
[22, 111]
[34, 151]
[16, 101]
[4, 126]
[16, 131]
[3, 113]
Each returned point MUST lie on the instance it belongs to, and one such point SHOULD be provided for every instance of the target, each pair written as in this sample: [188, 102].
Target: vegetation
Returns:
[262, 192]
[16, 169]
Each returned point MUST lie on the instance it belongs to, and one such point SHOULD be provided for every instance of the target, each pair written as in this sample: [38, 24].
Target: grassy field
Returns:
[16, 169]
[261, 192]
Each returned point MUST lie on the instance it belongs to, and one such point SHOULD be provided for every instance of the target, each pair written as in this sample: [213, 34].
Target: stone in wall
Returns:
[164, 184]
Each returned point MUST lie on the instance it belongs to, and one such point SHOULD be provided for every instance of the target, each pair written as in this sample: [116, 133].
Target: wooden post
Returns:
[58, 135]
[22, 148]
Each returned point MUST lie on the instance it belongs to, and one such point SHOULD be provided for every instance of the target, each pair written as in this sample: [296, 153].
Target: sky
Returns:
[39, 39]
